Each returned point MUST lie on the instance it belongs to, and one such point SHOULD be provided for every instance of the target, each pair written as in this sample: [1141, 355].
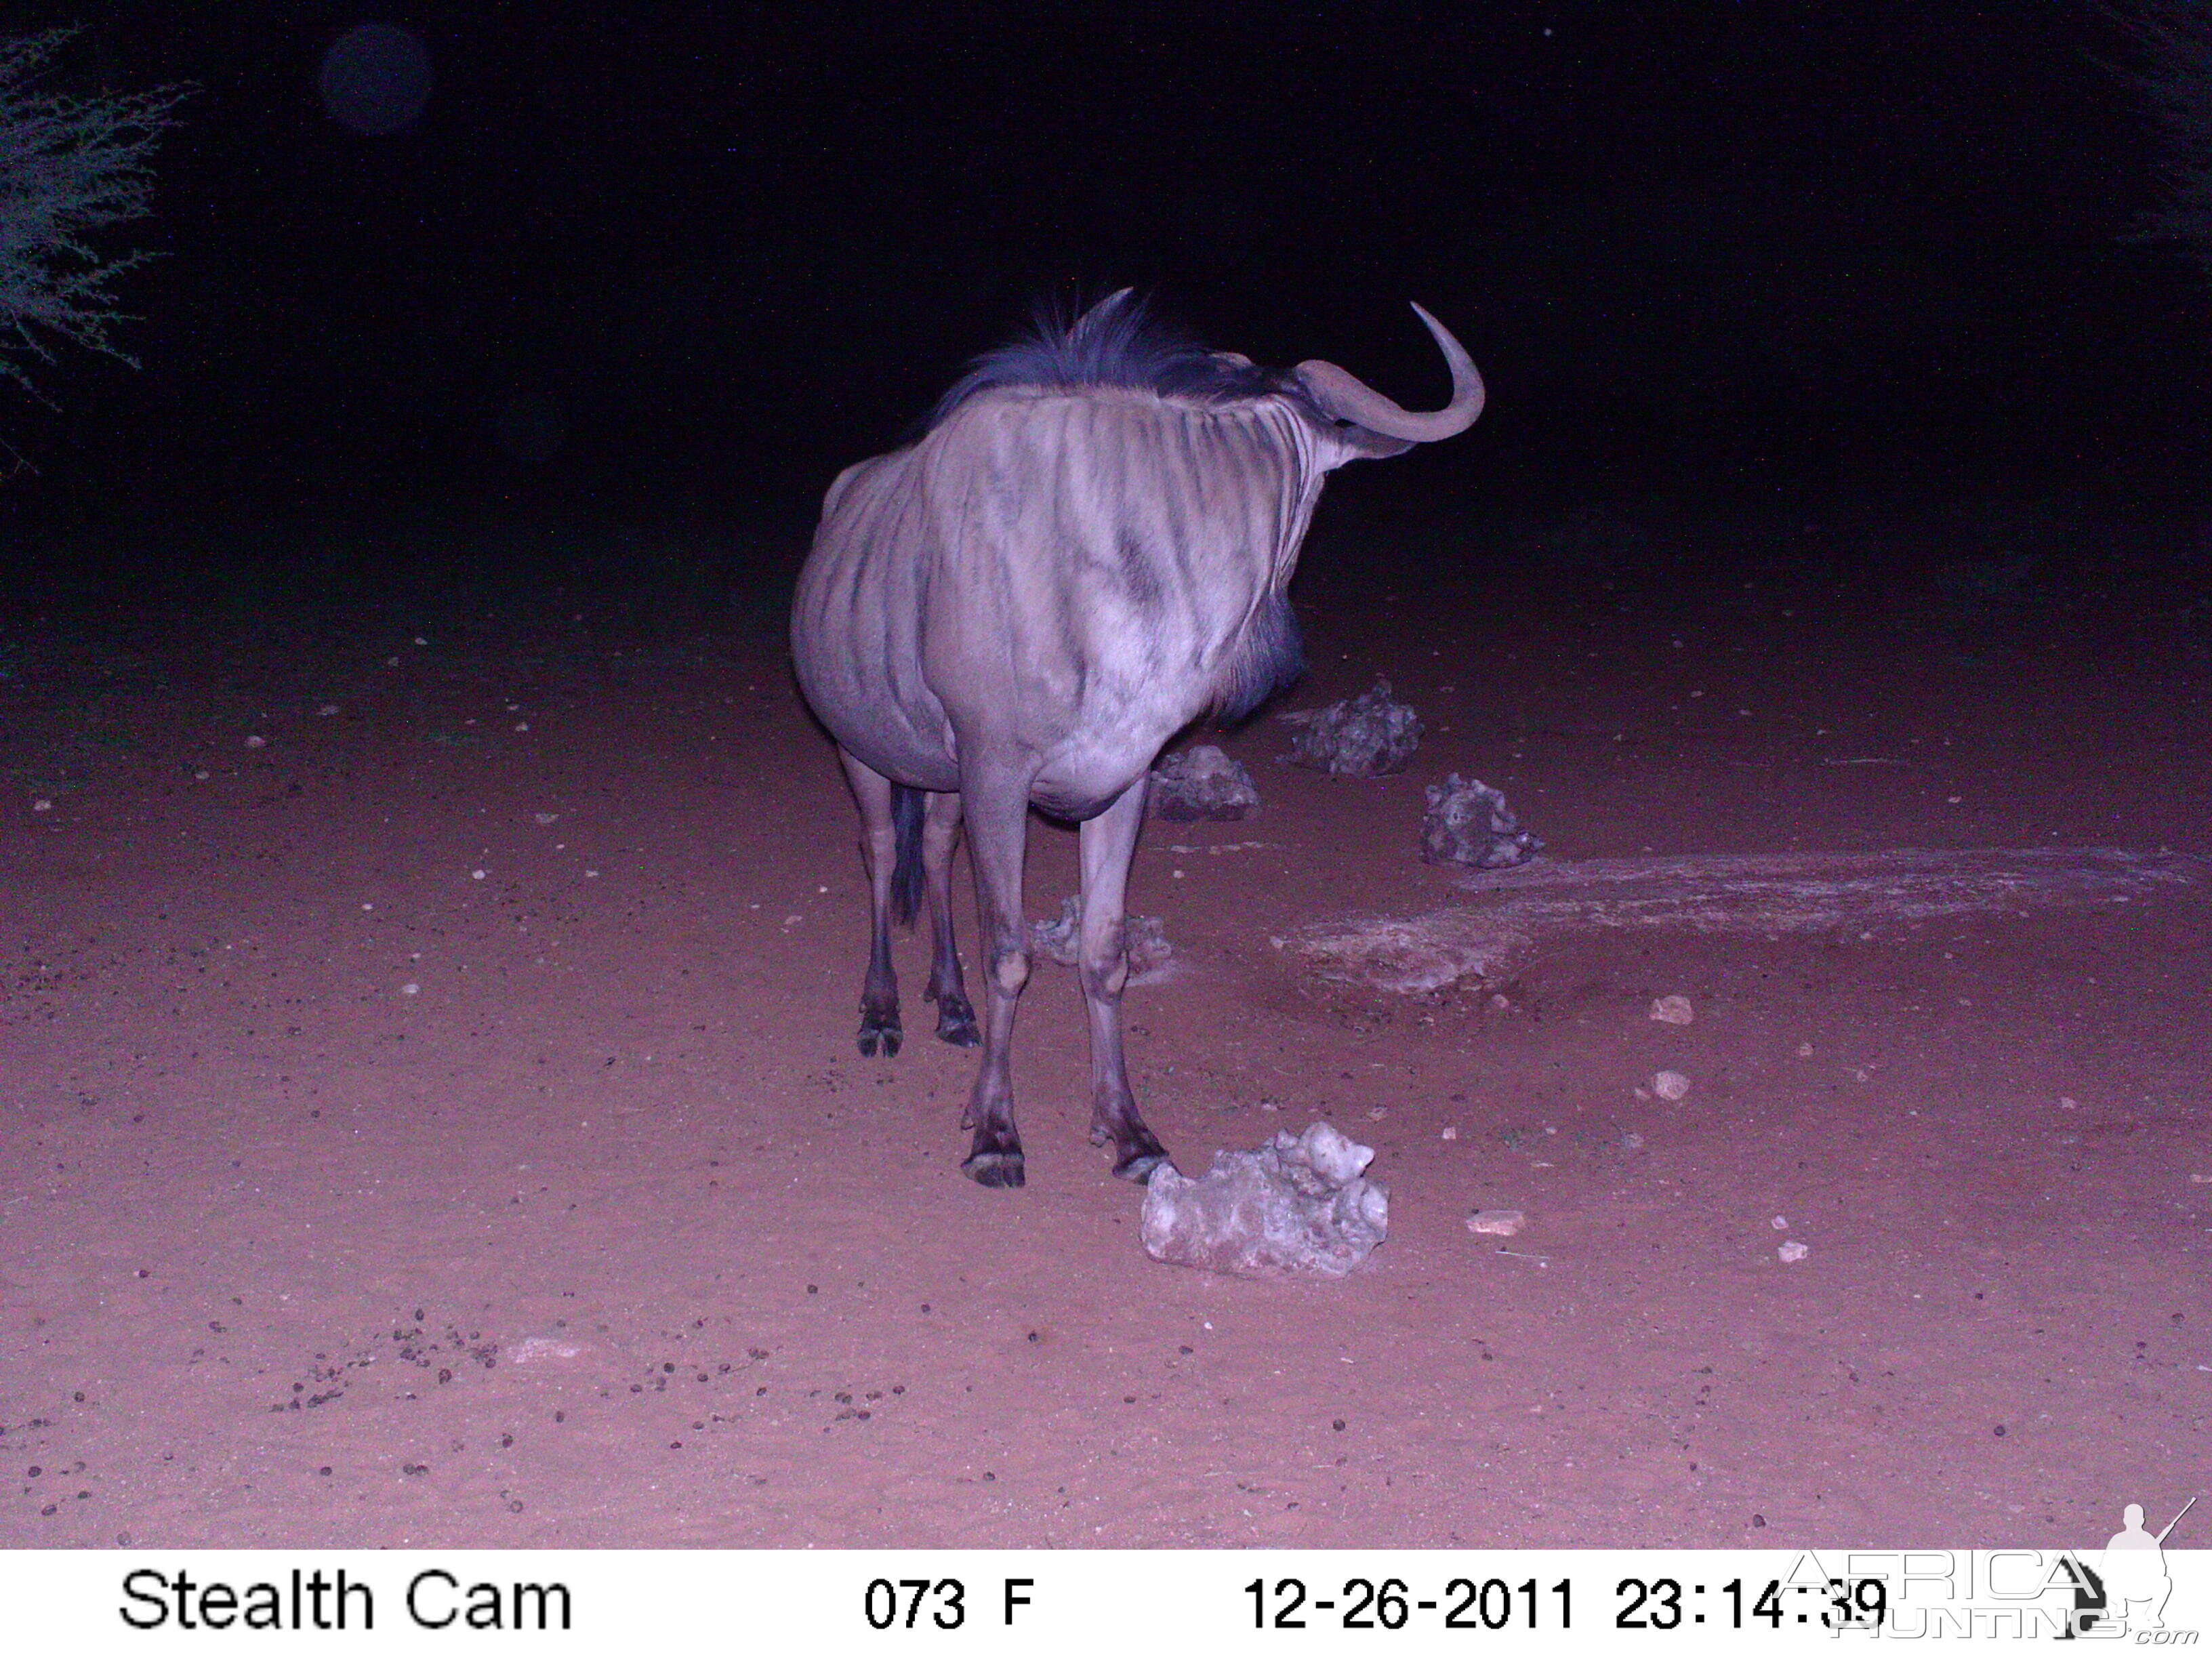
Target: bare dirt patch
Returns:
[439, 1122]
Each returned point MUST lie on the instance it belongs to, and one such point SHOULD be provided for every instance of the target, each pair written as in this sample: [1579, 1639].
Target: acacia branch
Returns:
[70, 168]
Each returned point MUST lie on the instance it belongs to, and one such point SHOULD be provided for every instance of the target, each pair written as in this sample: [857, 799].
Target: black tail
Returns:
[906, 869]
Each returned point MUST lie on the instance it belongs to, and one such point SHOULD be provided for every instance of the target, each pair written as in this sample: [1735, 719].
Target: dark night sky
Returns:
[720, 250]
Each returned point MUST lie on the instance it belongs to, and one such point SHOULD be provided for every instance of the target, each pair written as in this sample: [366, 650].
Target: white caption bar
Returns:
[1004, 1601]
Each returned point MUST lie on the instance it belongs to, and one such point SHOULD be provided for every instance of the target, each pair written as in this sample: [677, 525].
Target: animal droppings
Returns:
[1202, 782]
[1296, 1204]
[1502, 1224]
[1469, 823]
[1363, 737]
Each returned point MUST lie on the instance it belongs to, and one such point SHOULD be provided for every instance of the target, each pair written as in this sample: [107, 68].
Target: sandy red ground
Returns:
[438, 1122]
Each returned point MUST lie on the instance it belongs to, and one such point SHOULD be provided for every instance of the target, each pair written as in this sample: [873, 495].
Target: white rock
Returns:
[1503, 1224]
[1335, 1158]
[1793, 1251]
[537, 1350]
[1298, 1204]
[1671, 1086]
[1672, 1010]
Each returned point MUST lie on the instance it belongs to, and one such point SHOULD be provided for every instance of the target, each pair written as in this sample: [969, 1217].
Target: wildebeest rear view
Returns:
[1086, 552]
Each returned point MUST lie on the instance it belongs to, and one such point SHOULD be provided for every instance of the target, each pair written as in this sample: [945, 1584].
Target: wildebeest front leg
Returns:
[1109, 841]
[998, 828]
[941, 834]
[879, 1009]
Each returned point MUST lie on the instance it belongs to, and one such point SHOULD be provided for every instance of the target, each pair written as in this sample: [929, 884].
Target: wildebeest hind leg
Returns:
[1109, 841]
[879, 1009]
[941, 835]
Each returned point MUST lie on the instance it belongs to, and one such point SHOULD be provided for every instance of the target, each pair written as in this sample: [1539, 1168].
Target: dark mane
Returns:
[1116, 343]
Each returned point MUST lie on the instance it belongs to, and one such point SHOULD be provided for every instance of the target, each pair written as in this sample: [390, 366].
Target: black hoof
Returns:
[871, 1033]
[1139, 1164]
[995, 1157]
[955, 1022]
[1137, 1149]
[993, 1169]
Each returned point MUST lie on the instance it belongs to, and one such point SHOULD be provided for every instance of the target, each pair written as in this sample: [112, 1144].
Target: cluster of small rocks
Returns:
[1370, 735]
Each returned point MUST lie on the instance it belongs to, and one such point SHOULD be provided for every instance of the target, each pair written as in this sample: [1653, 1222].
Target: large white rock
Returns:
[1297, 1204]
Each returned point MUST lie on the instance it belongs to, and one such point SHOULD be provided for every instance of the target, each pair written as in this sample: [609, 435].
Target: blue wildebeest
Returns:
[1085, 552]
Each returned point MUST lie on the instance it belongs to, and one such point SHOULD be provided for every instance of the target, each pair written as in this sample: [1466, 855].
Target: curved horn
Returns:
[1348, 399]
